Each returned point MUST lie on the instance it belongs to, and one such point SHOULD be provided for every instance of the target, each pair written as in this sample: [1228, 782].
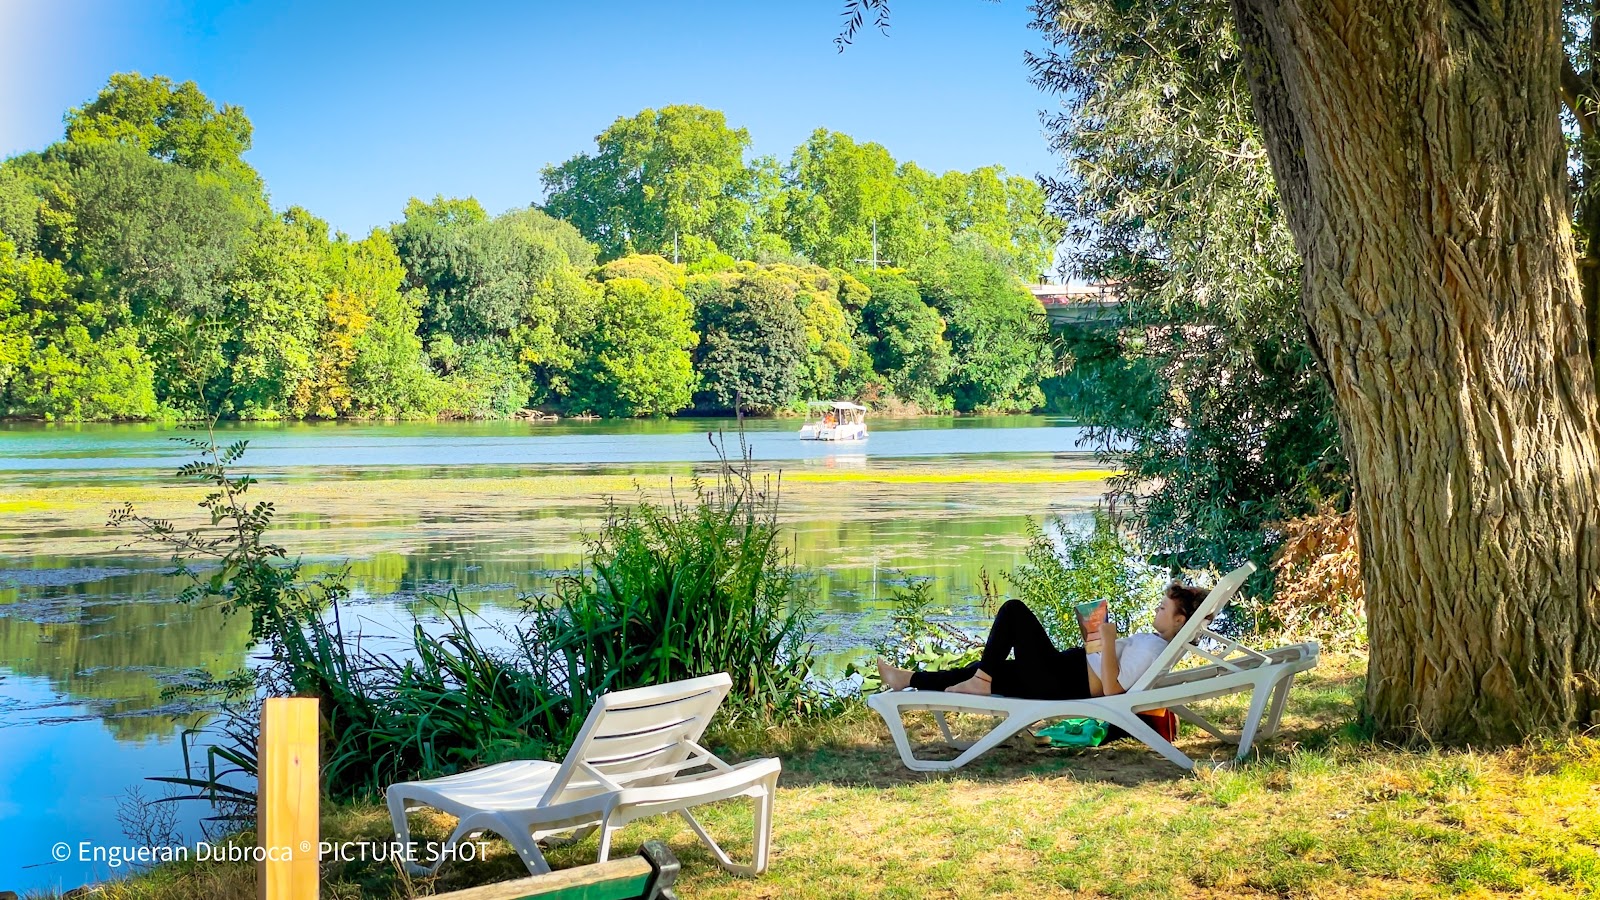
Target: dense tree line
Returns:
[145, 274]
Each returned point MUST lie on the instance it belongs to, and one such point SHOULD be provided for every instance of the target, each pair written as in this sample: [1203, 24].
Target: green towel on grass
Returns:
[1074, 733]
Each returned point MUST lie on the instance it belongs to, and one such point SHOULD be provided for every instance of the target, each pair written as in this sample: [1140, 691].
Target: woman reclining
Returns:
[1039, 671]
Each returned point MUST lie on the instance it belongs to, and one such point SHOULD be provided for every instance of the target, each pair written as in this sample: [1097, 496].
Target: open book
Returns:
[1091, 615]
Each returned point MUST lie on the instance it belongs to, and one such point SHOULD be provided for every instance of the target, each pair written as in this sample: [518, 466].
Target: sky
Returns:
[359, 106]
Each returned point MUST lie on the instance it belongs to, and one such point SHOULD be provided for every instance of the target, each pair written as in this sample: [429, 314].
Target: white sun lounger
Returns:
[628, 762]
[1231, 668]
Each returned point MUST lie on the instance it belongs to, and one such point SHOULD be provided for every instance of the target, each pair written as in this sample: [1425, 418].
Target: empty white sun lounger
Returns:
[629, 761]
[1230, 668]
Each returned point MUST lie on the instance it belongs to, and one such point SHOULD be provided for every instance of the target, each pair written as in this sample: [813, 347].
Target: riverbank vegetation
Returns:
[145, 275]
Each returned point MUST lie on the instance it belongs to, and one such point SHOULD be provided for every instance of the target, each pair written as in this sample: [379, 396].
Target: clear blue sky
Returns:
[359, 106]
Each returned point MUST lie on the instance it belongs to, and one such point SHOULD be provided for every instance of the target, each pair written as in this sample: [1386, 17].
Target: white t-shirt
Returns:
[1135, 653]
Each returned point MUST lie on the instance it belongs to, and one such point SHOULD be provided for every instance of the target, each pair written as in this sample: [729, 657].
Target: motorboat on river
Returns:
[834, 420]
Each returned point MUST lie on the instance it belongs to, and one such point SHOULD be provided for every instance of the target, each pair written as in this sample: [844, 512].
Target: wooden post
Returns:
[287, 794]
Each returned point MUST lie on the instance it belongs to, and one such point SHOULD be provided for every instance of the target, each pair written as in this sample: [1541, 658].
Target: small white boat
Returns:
[834, 420]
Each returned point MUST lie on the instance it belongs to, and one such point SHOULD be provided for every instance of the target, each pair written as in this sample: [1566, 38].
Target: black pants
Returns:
[1038, 672]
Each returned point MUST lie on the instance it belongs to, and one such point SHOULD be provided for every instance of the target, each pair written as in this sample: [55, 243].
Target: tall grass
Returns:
[684, 589]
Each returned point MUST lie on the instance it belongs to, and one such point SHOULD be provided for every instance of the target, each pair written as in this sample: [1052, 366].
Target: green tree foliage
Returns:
[19, 211]
[171, 122]
[655, 270]
[474, 274]
[275, 310]
[835, 191]
[155, 245]
[173, 279]
[674, 172]
[58, 358]
[509, 283]
[635, 359]
[1206, 389]
[752, 352]
[905, 338]
[998, 335]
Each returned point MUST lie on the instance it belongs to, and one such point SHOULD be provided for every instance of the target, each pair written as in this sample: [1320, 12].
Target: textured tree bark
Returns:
[1418, 151]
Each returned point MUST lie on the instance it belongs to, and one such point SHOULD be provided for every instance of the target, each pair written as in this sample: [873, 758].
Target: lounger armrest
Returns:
[742, 776]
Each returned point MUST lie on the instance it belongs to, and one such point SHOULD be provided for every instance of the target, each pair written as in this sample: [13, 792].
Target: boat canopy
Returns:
[835, 404]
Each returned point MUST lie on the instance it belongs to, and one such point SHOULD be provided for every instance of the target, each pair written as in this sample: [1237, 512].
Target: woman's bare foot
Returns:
[978, 684]
[894, 679]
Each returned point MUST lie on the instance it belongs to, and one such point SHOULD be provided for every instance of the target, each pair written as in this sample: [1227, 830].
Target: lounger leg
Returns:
[711, 844]
[1258, 706]
[402, 830]
[763, 835]
[896, 721]
[1008, 727]
[521, 840]
[397, 817]
[1280, 698]
[605, 840]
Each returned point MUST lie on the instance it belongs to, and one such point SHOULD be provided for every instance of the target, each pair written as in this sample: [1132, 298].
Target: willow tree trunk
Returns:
[1419, 157]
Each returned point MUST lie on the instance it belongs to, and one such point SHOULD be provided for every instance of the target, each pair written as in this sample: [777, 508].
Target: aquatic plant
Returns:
[684, 589]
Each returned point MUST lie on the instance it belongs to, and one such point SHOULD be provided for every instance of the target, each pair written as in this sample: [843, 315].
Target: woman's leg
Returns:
[938, 681]
[1064, 676]
[1016, 629]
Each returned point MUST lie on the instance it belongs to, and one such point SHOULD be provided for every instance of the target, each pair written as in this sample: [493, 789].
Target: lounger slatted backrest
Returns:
[640, 738]
[1197, 629]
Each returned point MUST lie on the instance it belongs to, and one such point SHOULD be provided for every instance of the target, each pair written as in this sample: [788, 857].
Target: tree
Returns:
[674, 173]
[998, 335]
[512, 281]
[274, 312]
[19, 211]
[1202, 386]
[906, 340]
[174, 123]
[635, 359]
[1458, 351]
[752, 352]
[471, 271]
[155, 244]
[837, 192]
[58, 358]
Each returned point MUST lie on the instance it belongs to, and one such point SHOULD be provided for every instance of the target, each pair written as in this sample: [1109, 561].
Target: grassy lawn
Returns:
[1320, 813]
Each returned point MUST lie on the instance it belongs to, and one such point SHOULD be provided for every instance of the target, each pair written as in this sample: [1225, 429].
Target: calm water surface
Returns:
[91, 640]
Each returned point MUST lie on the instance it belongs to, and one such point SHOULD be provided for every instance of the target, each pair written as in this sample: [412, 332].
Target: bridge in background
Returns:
[1078, 304]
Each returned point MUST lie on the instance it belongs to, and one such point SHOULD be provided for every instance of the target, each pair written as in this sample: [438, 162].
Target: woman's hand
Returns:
[1107, 632]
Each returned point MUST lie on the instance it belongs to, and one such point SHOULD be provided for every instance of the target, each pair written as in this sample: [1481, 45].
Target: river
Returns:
[91, 638]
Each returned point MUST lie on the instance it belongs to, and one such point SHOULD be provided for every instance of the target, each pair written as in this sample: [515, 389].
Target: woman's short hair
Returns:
[1188, 598]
